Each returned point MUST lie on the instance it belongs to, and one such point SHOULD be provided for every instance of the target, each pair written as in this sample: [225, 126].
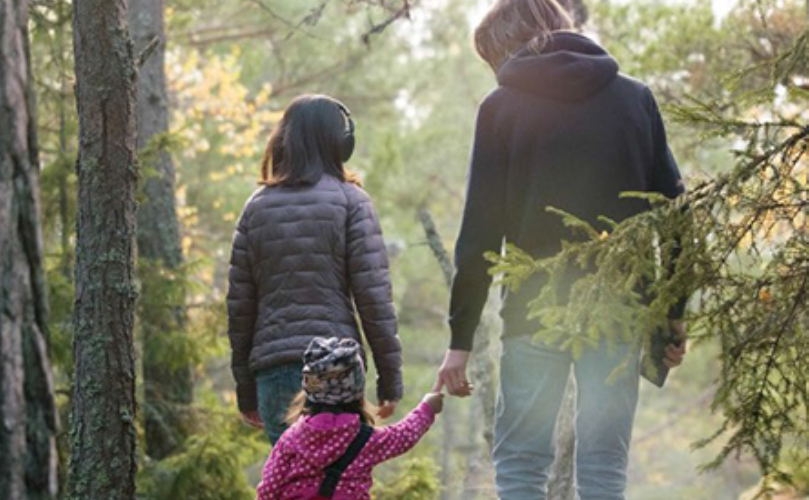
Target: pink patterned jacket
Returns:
[294, 469]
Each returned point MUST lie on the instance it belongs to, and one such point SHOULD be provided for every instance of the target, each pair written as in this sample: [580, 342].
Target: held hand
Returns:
[676, 352]
[386, 409]
[252, 419]
[452, 374]
[435, 400]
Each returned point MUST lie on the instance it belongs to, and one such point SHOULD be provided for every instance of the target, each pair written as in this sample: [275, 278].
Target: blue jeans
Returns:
[532, 383]
[276, 388]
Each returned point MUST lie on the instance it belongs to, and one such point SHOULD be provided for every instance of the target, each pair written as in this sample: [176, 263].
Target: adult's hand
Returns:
[386, 409]
[674, 353]
[452, 374]
[252, 419]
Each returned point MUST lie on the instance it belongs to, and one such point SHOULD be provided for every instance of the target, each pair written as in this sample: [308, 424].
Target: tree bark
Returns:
[562, 481]
[27, 414]
[102, 458]
[167, 389]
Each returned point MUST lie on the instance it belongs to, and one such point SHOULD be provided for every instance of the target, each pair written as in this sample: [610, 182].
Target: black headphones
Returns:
[347, 147]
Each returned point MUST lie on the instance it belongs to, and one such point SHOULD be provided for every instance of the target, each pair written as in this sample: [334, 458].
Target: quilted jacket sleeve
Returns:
[370, 286]
[242, 305]
[394, 440]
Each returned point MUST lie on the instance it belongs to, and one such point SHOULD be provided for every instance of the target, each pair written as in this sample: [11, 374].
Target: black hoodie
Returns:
[562, 129]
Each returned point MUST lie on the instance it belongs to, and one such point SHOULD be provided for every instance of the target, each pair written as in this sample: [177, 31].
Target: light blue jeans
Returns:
[532, 384]
[276, 388]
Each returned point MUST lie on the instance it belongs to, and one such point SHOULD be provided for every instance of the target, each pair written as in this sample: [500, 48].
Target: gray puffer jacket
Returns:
[300, 255]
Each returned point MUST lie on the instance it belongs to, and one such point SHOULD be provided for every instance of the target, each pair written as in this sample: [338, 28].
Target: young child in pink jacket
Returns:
[326, 418]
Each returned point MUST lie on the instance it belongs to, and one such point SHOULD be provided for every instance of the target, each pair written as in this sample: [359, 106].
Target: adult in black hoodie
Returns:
[563, 129]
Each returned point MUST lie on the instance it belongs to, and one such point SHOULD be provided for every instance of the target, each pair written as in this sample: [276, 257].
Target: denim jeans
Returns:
[276, 388]
[532, 383]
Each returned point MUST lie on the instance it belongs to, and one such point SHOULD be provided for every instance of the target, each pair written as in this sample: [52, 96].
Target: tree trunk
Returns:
[562, 481]
[167, 389]
[27, 414]
[65, 164]
[481, 417]
[102, 458]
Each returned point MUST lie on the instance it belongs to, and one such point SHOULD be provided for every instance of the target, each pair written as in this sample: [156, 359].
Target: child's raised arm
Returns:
[397, 439]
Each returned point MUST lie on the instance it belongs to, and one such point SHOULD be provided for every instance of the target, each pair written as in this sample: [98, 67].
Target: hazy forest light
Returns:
[721, 8]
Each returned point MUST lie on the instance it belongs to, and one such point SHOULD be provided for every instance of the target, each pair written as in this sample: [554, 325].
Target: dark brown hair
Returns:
[306, 144]
[512, 24]
[301, 406]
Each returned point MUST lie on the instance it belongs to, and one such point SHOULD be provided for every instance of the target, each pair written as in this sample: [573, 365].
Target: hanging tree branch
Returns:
[402, 13]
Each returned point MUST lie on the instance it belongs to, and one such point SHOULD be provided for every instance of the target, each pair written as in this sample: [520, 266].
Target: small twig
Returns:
[261, 32]
[310, 19]
[403, 12]
[147, 51]
[263, 6]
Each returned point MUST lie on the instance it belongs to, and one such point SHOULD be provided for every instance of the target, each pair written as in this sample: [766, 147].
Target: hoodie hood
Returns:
[571, 67]
[321, 439]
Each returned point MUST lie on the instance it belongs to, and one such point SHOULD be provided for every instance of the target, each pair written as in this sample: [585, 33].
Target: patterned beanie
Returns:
[333, 373]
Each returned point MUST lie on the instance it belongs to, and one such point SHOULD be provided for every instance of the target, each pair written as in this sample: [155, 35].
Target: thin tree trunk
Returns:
[481, 416]
[448, 420]
[448, 423]
[481, 371]
[102, 459]
[167, 389]
[65, 166]
[562, 481]
[27, 445]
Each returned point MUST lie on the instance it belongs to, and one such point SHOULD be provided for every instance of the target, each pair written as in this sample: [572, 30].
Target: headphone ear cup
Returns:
[347, 148]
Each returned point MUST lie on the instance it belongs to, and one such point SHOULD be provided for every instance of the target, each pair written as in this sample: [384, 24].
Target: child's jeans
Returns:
[276, 388]
[532, 383]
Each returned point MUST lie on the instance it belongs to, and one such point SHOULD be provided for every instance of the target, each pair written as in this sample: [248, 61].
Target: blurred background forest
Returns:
[413, 88]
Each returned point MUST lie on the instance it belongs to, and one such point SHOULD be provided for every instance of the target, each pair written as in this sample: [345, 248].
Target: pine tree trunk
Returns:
[102, 459]
[562, 482]
[167, 390]
[27, 414]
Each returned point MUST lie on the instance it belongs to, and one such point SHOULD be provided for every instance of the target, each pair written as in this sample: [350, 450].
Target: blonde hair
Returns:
[511, 24]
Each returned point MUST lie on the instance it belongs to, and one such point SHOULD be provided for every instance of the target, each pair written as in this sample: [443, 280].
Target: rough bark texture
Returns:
[167, 389]
[27, 416]
[102, 458]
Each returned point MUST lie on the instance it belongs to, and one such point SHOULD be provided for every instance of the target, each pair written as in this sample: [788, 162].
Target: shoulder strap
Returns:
[336, 469]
